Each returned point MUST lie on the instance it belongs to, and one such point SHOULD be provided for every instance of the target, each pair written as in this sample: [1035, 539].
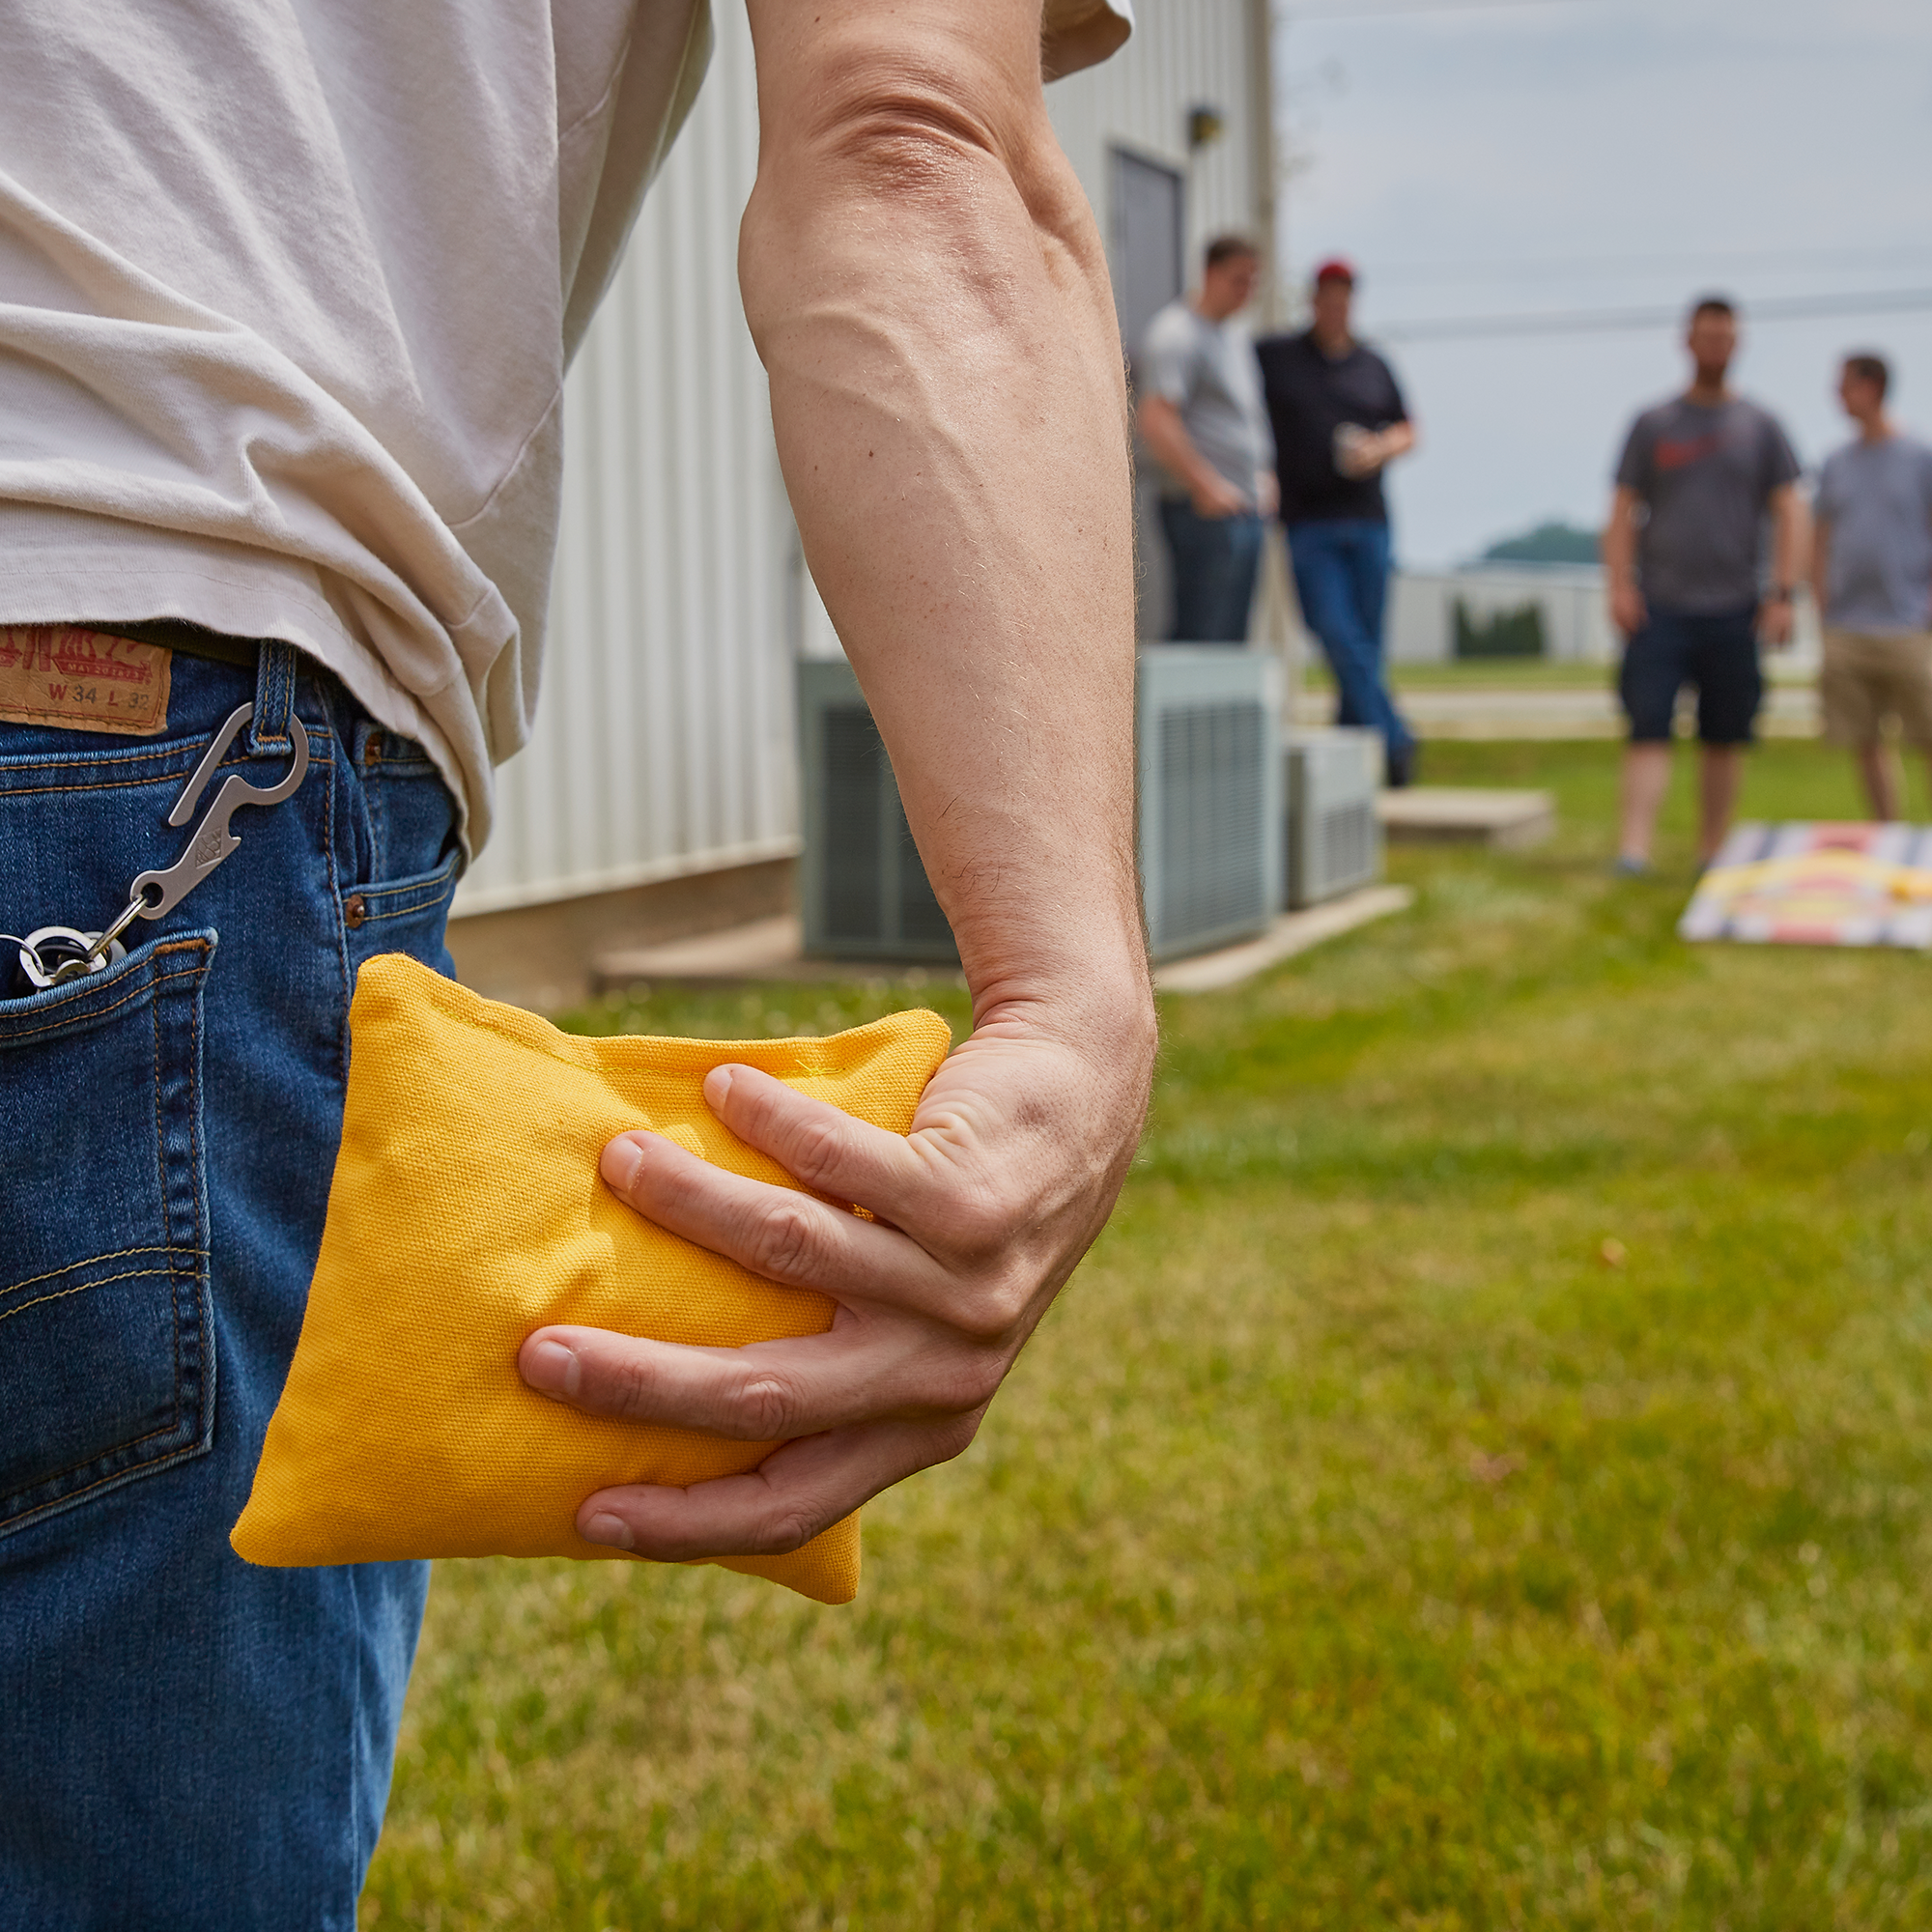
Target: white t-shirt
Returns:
[1876, 498]
[287, 291]
[1208, 371]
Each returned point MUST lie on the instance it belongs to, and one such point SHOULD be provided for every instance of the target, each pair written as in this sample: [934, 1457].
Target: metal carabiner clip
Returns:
[58, 953]
[213, 841]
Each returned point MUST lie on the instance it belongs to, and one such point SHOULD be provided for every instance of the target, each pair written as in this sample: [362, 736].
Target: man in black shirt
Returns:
[1338, 418]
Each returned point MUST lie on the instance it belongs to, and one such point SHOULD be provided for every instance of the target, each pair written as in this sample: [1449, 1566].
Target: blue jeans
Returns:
[1214, 562]
[1340, 578]
[188, 1741]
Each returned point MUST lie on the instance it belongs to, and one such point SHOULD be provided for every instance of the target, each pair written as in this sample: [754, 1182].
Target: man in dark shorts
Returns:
[1338, 418]
[1682, 554]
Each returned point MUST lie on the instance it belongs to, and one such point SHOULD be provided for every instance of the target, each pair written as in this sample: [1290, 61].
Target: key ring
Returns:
[155, 893]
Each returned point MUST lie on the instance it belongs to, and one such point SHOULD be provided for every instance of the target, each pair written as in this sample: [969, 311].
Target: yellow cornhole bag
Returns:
[466, 1211]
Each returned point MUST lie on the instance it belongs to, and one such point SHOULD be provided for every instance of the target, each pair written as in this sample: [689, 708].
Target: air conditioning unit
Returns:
[1209, 753]
[863, 892]
[1334, 839]
[1211, 811]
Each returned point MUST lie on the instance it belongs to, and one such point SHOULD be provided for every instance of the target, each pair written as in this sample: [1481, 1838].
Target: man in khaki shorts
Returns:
[1871, 572]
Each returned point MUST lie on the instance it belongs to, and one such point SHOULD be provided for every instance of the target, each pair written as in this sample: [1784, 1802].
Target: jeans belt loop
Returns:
[276, 674]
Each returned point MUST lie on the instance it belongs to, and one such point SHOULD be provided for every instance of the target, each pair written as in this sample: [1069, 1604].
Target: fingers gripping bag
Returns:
[466, 1211]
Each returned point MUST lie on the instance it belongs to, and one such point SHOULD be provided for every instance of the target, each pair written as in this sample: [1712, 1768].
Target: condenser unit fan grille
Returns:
[1347, 837]
[854, 807]
[866, 894]
[1212, 818]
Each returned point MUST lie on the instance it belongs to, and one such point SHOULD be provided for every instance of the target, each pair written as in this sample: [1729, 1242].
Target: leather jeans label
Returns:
[82, 680]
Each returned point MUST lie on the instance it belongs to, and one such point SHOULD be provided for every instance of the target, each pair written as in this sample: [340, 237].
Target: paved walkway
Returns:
[1790, 711]
[772, 948]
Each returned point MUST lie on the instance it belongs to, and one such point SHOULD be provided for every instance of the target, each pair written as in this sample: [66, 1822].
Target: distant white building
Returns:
[658, 795]
[1567, 597]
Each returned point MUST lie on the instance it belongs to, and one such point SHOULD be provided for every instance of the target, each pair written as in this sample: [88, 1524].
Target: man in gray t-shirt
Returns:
[1699, 477]
[1201, 417]
[1871, 570]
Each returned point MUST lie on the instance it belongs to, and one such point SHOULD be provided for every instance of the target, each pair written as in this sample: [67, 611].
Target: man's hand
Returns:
[1268, 492]
[1208, 490]
[1790, 546]
[1014, 1158]
[1628, 613]
[1213, 495]
[1627, 610]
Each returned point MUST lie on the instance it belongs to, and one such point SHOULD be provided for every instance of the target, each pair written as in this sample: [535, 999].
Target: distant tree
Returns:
[1546, 543]
[1502, 634]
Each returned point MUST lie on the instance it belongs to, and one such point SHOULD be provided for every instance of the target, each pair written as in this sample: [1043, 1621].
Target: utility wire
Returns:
[1382, 9]
[1587, 267]
[1581, 322]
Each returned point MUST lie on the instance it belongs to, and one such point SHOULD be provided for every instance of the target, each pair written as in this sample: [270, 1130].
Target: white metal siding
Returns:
[1183, 53]
[663, 736]
[663, 742]
[1422, 609]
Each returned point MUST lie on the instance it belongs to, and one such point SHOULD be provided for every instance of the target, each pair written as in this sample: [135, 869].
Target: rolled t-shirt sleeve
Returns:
[1165, 365]
[1781, 459]
[1398, 403]
[1077, 34]
[1634, 467]
[1830, 480]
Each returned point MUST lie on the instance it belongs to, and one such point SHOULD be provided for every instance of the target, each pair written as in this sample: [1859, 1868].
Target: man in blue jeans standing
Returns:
[1698, 477]
[1339, 418]
[1200, 414]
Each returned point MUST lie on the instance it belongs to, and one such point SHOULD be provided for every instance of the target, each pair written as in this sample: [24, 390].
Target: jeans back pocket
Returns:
[106, 1341]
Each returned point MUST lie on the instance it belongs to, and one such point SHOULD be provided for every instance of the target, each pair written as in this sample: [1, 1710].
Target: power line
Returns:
[1581, 322]
[1382, 9]
[1545, 266]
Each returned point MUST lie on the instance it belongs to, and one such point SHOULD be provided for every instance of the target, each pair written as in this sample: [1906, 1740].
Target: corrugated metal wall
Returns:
[1183, 54]
[664, 737]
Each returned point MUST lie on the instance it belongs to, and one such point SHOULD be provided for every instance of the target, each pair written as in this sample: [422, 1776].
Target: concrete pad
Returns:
[1467, 814]
[770, 949]
[1291, 933]
[1489, 713]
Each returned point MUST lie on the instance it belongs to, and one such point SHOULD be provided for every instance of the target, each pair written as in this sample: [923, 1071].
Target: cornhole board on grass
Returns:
[1817, 884]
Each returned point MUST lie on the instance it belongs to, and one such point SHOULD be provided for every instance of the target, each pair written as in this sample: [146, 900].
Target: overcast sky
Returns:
[1579, 155]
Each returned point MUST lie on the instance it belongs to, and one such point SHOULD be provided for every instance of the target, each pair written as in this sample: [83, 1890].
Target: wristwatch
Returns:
[1779, 593]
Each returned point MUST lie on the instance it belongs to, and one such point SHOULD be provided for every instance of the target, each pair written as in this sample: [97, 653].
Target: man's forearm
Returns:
[928, 291]
[1619, 541]
[930, 298]
[1397, 439]
[1821, 562]
[1787, 559]
[1173, 448]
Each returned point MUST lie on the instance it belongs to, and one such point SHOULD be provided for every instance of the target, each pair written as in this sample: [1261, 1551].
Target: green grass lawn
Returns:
[1478, 674]
[1522, 675]
[1479, 1480]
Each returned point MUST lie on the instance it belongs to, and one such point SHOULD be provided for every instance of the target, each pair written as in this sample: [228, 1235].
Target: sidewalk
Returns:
[774, 950]
[1790, 711]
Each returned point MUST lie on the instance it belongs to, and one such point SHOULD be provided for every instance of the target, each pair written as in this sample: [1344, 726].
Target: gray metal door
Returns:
[1148, 211]
[1150, 234]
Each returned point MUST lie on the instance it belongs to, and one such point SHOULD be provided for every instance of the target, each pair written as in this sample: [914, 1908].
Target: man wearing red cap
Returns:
[1338, 418]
